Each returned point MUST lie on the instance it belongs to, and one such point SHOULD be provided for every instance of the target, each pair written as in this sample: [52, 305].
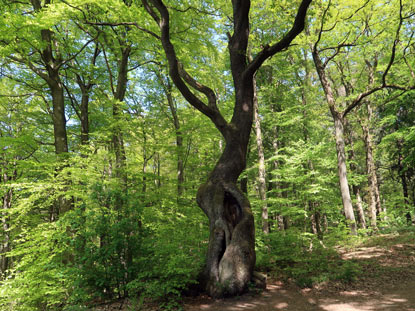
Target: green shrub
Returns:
[303, 258]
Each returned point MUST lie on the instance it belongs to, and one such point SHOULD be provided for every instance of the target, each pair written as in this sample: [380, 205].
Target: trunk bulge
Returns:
[231, 252]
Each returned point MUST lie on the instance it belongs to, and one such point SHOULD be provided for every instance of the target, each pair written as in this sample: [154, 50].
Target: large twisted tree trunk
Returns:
[231, 253]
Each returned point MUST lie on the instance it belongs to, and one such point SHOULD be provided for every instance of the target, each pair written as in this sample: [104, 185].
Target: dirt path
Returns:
[277, 297]
[387, 283]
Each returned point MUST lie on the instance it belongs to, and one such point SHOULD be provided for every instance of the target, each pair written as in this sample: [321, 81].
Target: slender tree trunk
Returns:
[339, 134]
[5, 246]
[341, 164]
[371, 173]
[356, 189]
[374, 196]
[84, 118]
[275, 185]
[262, 184]
[58, 115]
[359, 205]
[7, 175]
[146, 158]
[369, 141]
[117, 138]
[405, 196]
[404, 183]
[85, 84]
[179, 140]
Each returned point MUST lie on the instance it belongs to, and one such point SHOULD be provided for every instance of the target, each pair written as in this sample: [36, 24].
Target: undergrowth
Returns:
[302, 258]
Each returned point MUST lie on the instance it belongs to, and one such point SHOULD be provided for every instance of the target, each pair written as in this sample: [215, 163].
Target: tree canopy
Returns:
[152, 148]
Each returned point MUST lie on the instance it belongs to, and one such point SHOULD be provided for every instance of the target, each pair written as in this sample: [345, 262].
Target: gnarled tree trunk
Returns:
[231, 253]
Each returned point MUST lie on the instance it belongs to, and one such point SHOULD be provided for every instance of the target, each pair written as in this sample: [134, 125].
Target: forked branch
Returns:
[159, 12]
[358, 100]
[268, 51]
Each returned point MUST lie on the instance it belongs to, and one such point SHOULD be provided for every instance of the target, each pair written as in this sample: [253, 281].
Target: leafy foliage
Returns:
[107, 219]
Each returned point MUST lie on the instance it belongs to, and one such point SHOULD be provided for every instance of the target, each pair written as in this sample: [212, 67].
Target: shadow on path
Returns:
[387, 283]
[277, 297]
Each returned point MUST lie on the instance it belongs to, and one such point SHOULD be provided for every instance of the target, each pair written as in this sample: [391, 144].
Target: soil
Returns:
[386, 282]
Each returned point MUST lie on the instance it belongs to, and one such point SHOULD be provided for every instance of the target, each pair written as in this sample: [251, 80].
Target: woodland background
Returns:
[101, 157]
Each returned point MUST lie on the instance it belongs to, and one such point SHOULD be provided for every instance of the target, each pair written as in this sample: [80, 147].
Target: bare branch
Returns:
[358, 100]
[77, 53]
[395, 43]
[125, 24]
[109, 70]
[142, 64]
[363, 6]
[73, 101]
[314, 48]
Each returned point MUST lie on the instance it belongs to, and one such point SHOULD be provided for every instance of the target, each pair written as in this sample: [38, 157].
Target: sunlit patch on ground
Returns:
[386, 283]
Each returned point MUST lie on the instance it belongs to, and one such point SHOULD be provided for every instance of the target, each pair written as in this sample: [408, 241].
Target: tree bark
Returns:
[356, 189]
[370, 162]
[85, 84]
[341, 164]
[371, 174]
[58, 115]
[275, 165]
[117, 138]
[231, 253]
[167, 87]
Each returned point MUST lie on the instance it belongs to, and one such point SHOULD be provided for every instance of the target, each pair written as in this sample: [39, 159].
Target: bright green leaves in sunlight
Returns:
[116, 217]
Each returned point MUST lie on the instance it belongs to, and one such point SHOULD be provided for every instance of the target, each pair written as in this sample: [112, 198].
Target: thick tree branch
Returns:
[110, 75]
[238, 42]
[269, 51]
[395, 43]
[175, 72]
[210, 95]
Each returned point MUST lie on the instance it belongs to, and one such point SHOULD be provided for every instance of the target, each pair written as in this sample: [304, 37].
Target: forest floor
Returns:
[386, 281]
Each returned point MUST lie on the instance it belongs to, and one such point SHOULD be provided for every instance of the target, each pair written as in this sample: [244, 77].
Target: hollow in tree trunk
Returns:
[231, 253]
